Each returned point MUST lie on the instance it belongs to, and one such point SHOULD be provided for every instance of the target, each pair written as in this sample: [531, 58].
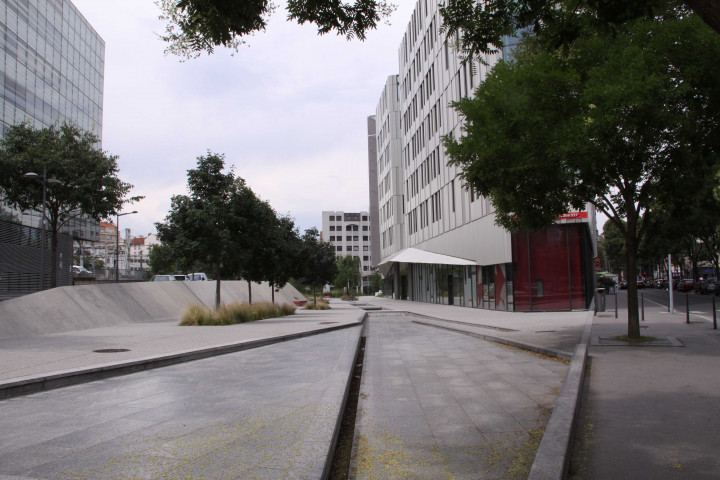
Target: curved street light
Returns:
[117, 244]
[45, 182]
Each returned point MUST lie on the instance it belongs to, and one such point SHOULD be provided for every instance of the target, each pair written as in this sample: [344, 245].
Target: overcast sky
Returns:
[289, 111]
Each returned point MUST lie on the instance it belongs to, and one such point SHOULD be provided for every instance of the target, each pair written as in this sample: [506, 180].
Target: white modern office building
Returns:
[349, 233]
[438, 239]
[51, 70]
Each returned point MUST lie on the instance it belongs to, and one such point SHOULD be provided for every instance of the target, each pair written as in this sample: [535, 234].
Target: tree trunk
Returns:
[632, 296]
[272, 291]
[249, 292]
[217, 286]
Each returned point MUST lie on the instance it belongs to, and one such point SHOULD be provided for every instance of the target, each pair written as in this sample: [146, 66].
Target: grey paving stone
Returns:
[466, 403]
[254, 412]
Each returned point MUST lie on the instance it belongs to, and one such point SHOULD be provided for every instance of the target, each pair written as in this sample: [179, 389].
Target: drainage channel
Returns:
[340, 469]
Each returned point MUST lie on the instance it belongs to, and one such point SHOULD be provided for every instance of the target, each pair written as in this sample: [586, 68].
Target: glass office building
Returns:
[51, 70]
[52, 65]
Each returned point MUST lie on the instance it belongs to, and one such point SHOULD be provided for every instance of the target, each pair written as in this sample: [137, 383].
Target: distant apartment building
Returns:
[438, 239]
[349, 233]
[52, 71]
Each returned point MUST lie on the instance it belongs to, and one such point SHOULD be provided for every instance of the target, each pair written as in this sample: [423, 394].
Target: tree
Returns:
[161, 259]
[319, 266]
[196, 26]
[286, 247]
[376, 281]
[348, 272]
[483, 27]
[624, 120]
[200, 226]
[88, 182]
[253, 236]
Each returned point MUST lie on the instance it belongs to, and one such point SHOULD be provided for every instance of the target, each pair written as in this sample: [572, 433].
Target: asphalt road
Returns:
[701, 306]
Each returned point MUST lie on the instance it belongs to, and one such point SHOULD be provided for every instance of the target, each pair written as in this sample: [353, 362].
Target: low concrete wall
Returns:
[88, 306]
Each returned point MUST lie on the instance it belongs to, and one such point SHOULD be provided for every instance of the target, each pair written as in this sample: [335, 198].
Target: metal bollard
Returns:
[714, 315]
[642, 306]
[616, 305]
[687, 308]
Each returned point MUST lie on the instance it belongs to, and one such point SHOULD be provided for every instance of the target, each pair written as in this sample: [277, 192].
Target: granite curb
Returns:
[37, 383]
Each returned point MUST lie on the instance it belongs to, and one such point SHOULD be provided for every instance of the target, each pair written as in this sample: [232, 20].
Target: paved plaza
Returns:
[439, 405]
[437, 399]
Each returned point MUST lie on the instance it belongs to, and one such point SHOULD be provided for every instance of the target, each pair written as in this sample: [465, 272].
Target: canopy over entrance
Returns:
[415, 255]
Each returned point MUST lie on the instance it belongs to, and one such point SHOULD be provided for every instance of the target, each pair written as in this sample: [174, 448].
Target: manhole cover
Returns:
[326, 323]
[111, 350]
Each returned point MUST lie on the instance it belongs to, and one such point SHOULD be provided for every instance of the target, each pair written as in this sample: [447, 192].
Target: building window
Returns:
[365, 228]
[365, 268]
[355, 238]
[332, 217]
[366, 258]
[348, 238]
[348, 248]
[355, 248]
[338, 248]
[332, 228]
[365, 238]
[364, 218]
[365, 248]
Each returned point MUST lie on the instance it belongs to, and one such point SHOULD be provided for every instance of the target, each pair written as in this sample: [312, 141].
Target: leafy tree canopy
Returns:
[88, 177]
[625, 120]
[196, 26]
[200, 226]
[483, 27]
[318, 264]
[348, 275]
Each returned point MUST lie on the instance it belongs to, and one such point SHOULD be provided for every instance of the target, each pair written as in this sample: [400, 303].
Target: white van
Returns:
[192, 277]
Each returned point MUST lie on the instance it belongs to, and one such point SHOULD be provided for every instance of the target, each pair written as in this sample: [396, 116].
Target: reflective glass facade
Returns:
[52, 64]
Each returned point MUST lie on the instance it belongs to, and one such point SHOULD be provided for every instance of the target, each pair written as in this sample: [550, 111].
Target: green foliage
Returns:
[376, 281]
[89, 184]
[348, 275]
[197, 26]
[483, 27]
[614, 246]
[625, 120]
[233, 313]
[161, 260]
[317, 265]
[199, 228]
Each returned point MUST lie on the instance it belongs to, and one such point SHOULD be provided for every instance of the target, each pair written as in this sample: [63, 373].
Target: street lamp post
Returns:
[117, 244]
[45, 181]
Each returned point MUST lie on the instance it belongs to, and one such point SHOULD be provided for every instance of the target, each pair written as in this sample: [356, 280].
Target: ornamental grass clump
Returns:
[234, 313]
[319, 305]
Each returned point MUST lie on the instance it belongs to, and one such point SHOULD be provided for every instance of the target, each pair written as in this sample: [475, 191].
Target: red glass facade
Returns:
[550, 266]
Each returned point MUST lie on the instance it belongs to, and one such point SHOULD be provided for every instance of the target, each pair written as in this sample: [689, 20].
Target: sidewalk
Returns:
[651, 412]
[32, 359]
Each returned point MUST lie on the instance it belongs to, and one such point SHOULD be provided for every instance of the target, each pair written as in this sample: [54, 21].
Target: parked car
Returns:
[79, 271]
[193, 277]
[623, 285]
[686, 285]
[660, 283]
[640, 283]
[180, 278]
[710, 286]
[163, 278]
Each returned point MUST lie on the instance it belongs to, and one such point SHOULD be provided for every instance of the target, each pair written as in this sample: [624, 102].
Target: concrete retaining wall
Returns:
[88, 306]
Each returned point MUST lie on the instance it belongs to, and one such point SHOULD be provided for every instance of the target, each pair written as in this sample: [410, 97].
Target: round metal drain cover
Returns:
[326, 323]
[111, 350]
